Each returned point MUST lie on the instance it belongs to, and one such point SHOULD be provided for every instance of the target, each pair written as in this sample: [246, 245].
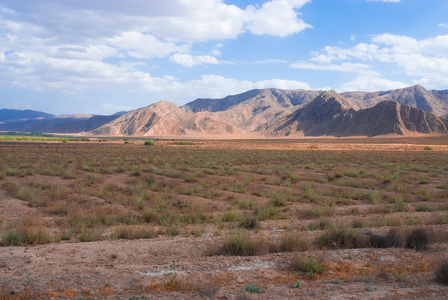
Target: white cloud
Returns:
[188, 60]
[277, 17]
[270, 61]
[282, 84]
[215, 86]
[113, 108]
[68, 45]
[372, 82]
[425, 61]
[344, 67]
[443, 25]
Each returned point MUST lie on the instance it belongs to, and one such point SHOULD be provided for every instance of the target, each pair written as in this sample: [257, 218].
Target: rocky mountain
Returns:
[330, 114]
[166, 119]
[435, 102]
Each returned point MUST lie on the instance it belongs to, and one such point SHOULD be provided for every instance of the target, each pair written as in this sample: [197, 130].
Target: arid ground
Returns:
[224, 219]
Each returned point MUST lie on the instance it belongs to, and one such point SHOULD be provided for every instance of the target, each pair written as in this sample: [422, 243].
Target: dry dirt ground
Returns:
[192, 266]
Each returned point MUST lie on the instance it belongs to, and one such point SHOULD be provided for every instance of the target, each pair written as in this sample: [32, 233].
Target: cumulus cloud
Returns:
[193, 60]
[425, 61]
[216, 86]
[277, 17]
[372, 81]
[70, 46]
[344, 67]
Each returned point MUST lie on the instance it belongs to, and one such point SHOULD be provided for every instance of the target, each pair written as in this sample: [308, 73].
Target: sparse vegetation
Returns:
[249, 201]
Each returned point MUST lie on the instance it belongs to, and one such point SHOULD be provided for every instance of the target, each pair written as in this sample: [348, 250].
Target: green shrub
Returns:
[150, 143]
[268, 212]
[309, 267]
[231, 215]
[251, 288]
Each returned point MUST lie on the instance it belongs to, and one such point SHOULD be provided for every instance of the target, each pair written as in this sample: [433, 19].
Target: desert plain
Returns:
[355, 218]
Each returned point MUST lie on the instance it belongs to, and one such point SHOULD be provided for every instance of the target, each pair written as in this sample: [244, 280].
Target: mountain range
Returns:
[261, 113]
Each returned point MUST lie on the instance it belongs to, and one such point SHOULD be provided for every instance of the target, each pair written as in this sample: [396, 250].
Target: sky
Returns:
[105, 56]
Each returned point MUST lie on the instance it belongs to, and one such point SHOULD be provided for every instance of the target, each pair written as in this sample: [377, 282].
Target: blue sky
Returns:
[104, 56]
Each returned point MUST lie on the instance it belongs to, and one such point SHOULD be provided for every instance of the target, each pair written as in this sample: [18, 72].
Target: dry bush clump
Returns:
[337, 238]
[442, 273]
[394, 238]
[418, 239]
[290, 242]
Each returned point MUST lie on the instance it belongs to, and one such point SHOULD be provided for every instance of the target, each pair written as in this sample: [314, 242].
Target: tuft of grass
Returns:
[240, 244]
[132, 233]
[231, 215]
[248, 222]
[426, 208]
[172, 231]
[91, 234]
[25, 236]
[291, 242]
[268, 212]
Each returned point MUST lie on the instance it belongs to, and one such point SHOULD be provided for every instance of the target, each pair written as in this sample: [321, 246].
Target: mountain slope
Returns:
[166, 119]
[330, 115]
[283, 98]
[157, 119]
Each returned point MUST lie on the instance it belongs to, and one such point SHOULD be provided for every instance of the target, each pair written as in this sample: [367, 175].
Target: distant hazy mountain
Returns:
[13, 114]
[28, 120]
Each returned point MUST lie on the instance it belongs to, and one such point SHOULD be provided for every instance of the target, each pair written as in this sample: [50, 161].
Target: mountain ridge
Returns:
[267, 112]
